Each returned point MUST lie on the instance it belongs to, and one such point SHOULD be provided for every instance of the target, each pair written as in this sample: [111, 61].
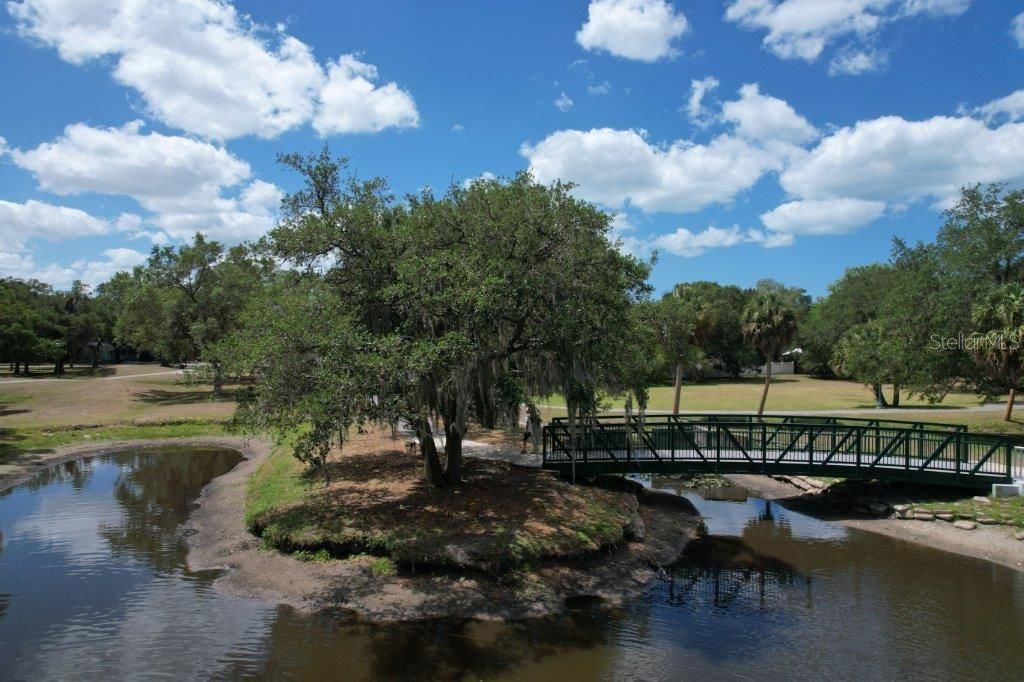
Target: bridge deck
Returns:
[785, 445]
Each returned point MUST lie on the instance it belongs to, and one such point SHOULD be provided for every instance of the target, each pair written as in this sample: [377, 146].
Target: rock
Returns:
[878, 508]
[965, 515]
[924, 516]
[987, 521]
[965, 525]
[944, 517]
[901, 508]
[1020, 536]
[980, 499]
[816, 484]
[864, 511]
[936, 512]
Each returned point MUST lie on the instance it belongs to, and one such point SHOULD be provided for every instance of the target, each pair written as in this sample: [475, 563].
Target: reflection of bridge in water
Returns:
[725, 571]
[746, 444]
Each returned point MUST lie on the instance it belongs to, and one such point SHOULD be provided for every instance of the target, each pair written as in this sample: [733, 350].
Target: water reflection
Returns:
[94, 585]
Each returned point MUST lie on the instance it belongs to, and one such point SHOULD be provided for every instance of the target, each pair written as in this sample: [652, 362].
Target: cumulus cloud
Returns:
[563, 103]
[350, 102]
[684, 242]
[764, 118]
[35, 219]
[92, 272]
[1017, 29]
[612, 166]
[182, 181]
[602, 88]
[802, 29]
[695, 109]
[644, 30]
[893, 159]
[1009, 108]
[486, 176]
[829, 216]
[202, 67]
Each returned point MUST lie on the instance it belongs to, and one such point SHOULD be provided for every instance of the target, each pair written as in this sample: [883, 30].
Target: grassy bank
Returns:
[502, 519]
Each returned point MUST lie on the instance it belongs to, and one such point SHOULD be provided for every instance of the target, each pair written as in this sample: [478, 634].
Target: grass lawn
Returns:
[117, 402]
[794, 392]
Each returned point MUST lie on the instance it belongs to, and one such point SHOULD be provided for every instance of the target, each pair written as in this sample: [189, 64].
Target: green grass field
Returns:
[787, 393]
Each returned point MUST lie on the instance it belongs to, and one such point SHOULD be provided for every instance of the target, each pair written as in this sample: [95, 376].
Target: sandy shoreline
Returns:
[218, 539]
[990, 543]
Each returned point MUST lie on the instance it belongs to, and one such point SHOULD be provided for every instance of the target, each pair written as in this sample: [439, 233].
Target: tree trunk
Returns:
[879, 396]
[679, 387]
[767, 382]
[453, 455]
[896, 395]
[17, 368]
[431, 464]
[96, 355]
[1009, 404]
[218, 379]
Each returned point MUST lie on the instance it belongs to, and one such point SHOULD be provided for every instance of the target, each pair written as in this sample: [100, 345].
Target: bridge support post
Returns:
[764, 448]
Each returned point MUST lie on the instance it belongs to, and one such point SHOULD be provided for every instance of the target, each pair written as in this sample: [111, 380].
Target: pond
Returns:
[93, 584]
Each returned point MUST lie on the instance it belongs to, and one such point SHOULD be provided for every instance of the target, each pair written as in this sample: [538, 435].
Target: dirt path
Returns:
[169, 372]
[991, 543]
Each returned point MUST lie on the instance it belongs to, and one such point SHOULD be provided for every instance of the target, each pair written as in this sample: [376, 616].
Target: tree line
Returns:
[361, 307]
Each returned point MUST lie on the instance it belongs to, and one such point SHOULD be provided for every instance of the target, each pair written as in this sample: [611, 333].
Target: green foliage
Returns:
[769, 324]
[717, 335]
[455, 306]
[996, 342]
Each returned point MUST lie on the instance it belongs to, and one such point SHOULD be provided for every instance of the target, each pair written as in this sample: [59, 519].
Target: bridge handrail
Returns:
[745, 417]
[738, 443]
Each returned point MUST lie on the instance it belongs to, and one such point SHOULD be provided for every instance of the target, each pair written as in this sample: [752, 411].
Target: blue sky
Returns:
[740, 139]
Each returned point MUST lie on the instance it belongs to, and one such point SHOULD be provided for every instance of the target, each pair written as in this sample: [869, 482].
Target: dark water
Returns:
[93, 585]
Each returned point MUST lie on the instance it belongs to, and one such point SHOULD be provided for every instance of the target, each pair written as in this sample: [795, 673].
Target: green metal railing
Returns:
[826, 446]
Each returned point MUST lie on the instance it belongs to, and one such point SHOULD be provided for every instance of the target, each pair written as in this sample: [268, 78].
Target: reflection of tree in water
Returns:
[317, 646]
[76, 472]
[157, 490]
[5, 601]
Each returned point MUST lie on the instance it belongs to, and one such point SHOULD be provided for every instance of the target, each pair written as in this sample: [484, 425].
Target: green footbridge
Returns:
[919, 452]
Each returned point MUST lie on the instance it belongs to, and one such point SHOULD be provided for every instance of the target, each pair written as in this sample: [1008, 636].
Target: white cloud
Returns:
[92, 272]
[685, 243]
[202, 67]
[181, 180]
[802, 29]
[457, 128]
[486, 176]
[114, 260]
[695, 109]
[633, 29]
[600, 89]
[1017, 28]
[829, 216]
[611, 167]
[857, 62]
[770, 240]
[37, 220]
[350, 102]
[892, 159]
[1010, 108]
[563, 103]
[764, 118]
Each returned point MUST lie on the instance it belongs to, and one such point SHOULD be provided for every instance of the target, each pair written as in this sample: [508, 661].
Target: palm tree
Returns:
[769, 324]
[996, 343]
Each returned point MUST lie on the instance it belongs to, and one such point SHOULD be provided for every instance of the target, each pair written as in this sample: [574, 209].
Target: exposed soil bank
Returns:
[219, 539]
[991, 543]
